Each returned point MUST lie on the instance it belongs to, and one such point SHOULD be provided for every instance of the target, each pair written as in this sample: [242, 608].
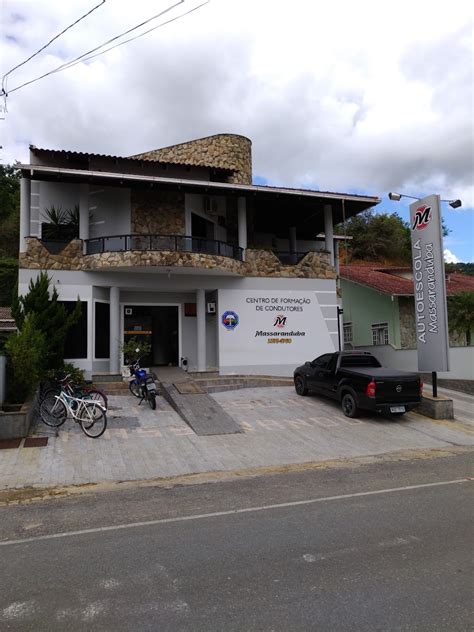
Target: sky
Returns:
[358, 97]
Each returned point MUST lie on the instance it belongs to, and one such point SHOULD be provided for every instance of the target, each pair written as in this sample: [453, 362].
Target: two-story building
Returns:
[178, 246]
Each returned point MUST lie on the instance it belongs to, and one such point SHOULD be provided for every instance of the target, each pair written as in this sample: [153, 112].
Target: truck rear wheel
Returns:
[349, 405]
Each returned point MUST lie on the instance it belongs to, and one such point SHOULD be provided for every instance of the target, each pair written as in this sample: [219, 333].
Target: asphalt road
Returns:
[385, 545]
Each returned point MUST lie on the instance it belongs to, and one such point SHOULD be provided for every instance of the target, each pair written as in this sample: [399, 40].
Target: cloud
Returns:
[450, 257]
[355, 99]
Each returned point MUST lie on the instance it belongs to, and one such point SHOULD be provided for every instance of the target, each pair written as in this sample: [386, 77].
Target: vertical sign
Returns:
[431, 318]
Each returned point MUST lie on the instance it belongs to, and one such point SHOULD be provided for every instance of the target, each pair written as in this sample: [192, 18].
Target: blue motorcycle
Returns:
[142, 384]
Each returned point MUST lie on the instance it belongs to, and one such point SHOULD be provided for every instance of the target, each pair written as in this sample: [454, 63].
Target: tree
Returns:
[26, 350]
[378, 237]
[52, 319]
[461, 314]
[10, 228]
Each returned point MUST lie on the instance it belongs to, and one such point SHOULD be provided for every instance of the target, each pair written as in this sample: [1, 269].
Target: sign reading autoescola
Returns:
[431, 319]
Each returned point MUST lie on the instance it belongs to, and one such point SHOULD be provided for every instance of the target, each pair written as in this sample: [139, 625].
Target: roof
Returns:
[137, 159]
[7, 323]
[387, 280]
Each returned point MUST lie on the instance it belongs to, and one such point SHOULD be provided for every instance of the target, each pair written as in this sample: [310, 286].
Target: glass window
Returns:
[102, 330]
[380, 334]
[347, 333]
[75, 346]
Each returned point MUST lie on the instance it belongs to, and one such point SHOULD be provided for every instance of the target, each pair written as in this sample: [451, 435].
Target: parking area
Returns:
[279, 428]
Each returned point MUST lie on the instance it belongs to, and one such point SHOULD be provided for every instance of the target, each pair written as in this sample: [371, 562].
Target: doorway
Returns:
[157, 325]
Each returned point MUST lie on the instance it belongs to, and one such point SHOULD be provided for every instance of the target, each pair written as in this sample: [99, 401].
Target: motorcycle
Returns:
[142, 384]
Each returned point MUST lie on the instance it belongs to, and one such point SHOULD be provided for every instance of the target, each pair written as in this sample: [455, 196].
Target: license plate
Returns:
[151, 387]
[397, 409]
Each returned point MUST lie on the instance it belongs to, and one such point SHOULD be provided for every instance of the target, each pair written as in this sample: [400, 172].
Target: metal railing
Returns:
[173, 243]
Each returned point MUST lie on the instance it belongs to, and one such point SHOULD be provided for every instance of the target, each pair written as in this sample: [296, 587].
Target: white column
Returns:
[114, 365]
[329, 231]
[84, 212]
[242, 223]
[201, 329]
[25, 211]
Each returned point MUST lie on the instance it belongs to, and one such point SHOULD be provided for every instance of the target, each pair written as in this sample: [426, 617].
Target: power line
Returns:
[86, 56]
[46, 45]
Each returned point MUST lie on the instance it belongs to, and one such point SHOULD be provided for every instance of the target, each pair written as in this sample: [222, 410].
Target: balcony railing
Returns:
[174, 243]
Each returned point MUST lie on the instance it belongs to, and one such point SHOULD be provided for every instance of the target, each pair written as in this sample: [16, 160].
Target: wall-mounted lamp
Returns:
[396, 197]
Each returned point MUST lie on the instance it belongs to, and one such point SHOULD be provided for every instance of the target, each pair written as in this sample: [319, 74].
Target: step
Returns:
[107, 377]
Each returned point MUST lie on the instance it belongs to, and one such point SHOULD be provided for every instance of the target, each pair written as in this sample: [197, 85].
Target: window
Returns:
[347, 333]
[102, 330]
[75, 346]
[380, 334]
[323, 361]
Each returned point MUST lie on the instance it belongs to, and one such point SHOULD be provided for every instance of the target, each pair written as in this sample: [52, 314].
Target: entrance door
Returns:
[159, 327]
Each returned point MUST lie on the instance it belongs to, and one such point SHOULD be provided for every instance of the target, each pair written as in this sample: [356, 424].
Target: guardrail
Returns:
[173, 243]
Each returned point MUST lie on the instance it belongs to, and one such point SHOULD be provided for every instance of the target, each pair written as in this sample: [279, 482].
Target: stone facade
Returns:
[223, 151]
[259, 263]
[406, 307]
[157, 212]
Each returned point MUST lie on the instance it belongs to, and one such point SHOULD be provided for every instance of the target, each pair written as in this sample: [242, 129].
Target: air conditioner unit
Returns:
[211, 308]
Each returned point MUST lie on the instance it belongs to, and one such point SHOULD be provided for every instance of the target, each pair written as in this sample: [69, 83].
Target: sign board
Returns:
[431, 319]
[272, 328]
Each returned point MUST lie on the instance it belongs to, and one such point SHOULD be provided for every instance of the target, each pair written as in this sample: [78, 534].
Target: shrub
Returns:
[26, 350]
[134, 349]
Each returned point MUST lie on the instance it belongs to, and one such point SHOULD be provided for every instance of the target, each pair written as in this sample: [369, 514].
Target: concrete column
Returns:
[84, 229]
[201, 329]
[242, 223]
[292, 239]
[25, 211]
[329, 231]
[114, 365]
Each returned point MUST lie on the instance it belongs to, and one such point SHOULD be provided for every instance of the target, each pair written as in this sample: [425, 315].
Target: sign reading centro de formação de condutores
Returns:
[431, 320]
[263, 327]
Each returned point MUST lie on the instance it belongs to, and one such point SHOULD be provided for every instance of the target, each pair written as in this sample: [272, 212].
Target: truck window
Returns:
[323, 361]
[360, 361]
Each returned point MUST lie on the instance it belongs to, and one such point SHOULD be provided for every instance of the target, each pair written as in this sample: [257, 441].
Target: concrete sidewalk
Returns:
[279, 428]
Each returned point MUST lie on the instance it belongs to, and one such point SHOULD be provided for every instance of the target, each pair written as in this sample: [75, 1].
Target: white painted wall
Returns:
[110, 210]
[461, 360]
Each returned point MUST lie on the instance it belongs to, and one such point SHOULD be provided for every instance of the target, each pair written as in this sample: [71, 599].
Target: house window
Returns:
[75, 345]
[380, 333]
[347, 333]
[102, 330]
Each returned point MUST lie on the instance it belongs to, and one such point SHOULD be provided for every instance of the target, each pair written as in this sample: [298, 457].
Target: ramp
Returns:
[200, 411]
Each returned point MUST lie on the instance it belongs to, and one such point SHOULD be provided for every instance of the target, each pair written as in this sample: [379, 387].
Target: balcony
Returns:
[170, 243]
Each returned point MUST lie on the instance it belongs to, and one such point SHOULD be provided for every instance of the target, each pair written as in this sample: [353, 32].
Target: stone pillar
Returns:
[329, 231]
[84, 213]
[114, 366]
[25, 211]
[201, 329]
[242, 223]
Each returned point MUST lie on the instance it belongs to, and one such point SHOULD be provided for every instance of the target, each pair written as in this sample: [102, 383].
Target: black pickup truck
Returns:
[358, 381]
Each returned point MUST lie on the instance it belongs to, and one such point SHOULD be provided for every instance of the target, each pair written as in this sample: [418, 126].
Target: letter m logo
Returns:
[280, 321]
[422, 217]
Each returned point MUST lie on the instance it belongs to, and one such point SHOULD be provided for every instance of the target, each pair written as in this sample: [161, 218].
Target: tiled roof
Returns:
[7, 322]
[388, 280]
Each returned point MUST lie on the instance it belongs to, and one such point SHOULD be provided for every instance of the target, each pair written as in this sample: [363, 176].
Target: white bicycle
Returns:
[88, 413]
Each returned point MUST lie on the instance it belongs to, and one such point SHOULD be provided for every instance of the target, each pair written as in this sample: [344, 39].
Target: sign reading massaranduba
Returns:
[271, 328]
[431, 320]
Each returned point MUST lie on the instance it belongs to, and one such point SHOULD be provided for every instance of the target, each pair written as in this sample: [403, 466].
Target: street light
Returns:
[396, 197]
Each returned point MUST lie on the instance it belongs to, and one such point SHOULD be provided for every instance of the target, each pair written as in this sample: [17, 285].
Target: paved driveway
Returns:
[280, 428]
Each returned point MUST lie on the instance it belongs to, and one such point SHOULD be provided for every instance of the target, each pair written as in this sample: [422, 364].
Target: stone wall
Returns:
[224, 151]
[259, 263]
[406, 308]
[158, 212]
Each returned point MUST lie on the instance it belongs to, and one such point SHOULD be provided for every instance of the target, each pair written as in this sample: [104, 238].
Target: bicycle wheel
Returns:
[93, 420]
[52, 411]
[134, 389]
[97, 396]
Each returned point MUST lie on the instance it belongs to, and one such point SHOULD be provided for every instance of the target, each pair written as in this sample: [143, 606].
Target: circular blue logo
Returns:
[230, 320]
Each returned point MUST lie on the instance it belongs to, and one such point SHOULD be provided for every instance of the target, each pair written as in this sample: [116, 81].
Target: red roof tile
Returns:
[389, 280]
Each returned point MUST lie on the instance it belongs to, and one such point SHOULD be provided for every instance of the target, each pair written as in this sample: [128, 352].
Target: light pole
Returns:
[429, 286]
